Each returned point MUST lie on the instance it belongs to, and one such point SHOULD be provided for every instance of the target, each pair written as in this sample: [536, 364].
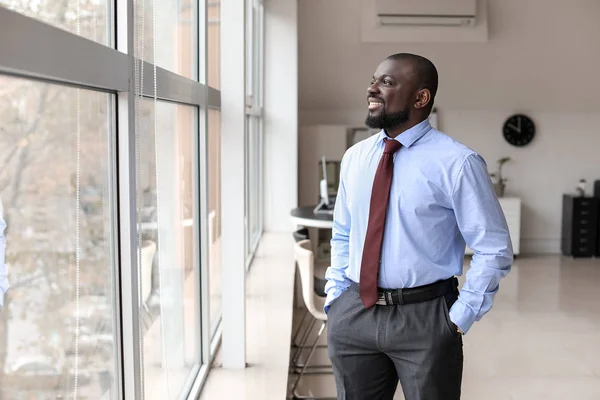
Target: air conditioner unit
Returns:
[426, 12]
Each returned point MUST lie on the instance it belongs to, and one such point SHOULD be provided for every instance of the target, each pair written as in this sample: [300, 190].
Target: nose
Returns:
[373, 89]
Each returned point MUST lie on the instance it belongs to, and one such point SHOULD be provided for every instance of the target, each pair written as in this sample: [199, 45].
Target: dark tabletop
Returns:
[307, 212]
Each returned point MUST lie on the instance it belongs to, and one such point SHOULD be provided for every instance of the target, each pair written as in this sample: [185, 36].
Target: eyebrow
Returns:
[384, 76]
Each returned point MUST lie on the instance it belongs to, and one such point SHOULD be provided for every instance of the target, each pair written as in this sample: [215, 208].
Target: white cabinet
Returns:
[512, 211]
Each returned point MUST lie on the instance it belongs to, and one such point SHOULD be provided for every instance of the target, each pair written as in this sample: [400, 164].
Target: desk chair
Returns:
[305, 262]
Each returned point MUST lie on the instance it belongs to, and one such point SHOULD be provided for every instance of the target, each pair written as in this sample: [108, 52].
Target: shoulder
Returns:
[448, 150]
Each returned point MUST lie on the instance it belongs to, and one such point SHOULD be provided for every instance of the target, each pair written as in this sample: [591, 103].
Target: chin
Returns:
[374, 121]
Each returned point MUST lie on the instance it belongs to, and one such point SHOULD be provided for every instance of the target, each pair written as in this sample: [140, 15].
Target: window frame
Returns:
[37, 51]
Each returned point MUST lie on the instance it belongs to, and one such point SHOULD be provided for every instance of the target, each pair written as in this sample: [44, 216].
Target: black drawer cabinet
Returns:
[580, 226]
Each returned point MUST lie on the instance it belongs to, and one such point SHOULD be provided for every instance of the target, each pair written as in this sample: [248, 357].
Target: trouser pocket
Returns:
[446, 303]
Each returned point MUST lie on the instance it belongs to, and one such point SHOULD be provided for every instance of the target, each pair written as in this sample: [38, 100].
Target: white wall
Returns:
[281, 113]
[541, 59]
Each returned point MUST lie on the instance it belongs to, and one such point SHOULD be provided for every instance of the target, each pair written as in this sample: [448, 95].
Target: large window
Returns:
[168, 264]
[57, 328]
[105, 180]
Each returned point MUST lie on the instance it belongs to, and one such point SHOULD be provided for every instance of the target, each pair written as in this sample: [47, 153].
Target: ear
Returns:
[423, 98]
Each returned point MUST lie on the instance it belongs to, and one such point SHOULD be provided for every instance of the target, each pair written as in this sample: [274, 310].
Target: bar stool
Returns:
[305, 262]
[319, 289]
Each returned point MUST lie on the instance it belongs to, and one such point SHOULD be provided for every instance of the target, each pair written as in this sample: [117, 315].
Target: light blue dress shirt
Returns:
[3, 277]
[441, 198]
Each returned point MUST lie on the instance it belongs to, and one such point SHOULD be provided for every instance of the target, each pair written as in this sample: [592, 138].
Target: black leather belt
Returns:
[392, 297]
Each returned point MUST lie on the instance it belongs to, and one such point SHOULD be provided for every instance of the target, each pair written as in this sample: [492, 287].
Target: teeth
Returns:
[374, 103]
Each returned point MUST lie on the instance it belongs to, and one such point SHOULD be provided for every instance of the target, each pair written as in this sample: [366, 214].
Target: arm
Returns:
[483, 226]
[3, 275]
[340, 235]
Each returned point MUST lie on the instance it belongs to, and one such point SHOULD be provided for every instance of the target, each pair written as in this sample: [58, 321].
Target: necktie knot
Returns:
[391, 146]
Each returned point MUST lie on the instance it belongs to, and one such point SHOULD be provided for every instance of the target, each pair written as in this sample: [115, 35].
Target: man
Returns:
[408, 200]
[3, 277]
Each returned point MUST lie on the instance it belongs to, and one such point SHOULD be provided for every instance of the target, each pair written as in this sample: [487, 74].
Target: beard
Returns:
[387, 121]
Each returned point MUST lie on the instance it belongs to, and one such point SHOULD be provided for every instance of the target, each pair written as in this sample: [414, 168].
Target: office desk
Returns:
[304, 216]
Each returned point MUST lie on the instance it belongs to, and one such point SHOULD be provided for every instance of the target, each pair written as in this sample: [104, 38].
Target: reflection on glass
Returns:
[176, 35]
[214, 43]
[94, 16]
[170, 309]
[55, 187]
[214, 215]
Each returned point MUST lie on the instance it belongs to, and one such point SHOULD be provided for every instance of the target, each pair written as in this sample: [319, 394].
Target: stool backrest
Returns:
[301, 234]
[305, 260]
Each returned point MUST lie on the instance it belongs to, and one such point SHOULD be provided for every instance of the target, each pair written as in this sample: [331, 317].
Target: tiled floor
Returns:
[540, 341]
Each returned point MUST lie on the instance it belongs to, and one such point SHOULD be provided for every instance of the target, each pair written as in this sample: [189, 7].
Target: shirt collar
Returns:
[410, 136]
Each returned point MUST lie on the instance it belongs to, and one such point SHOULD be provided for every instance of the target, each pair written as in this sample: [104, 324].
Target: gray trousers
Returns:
[372, 349]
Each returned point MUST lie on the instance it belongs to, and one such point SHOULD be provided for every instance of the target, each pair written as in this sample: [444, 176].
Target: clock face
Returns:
[519, 130]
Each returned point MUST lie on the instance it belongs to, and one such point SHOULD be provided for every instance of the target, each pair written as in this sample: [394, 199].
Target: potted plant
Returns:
[499, 180]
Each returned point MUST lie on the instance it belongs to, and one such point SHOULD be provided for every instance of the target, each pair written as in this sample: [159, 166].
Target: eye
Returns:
[387, 82]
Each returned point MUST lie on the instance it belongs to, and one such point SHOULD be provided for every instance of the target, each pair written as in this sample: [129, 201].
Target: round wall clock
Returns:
[518, 130]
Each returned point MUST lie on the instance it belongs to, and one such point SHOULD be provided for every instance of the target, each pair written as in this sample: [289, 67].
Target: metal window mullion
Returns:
[201, 210]
[261, 176]
[174, 88]
[247, 134]
[200, 243]
[130, 339]
[204, 235]
[116, 300]
[203, 187]
[214, 98]
[261, 56]
[261, 99]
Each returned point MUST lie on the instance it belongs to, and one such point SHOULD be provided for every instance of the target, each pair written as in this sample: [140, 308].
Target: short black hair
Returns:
[426, 72]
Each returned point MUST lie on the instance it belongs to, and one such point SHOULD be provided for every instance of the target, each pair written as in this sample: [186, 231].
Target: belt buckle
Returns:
[388, 299]
[381, 299]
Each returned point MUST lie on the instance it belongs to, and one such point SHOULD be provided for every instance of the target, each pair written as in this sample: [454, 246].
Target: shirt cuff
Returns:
[462, 316]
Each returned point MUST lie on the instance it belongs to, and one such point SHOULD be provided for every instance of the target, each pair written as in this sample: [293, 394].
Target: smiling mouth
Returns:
[374, 104]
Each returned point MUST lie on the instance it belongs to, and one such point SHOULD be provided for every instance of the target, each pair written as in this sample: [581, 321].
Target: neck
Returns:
[397, 130]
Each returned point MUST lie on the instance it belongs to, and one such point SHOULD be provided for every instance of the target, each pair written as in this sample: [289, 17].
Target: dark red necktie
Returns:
[369, 269]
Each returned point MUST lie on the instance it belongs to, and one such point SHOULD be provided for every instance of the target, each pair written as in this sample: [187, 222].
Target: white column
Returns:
[232, 183]
[281, 113]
